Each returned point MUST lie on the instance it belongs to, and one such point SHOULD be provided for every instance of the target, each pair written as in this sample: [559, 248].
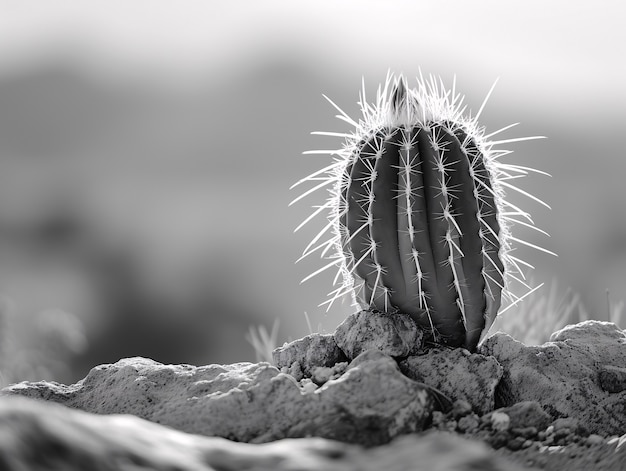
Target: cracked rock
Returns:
[394, 334]
[72, 440]
[371, 403]
[568, 375]
[301, 357]
[458, 374]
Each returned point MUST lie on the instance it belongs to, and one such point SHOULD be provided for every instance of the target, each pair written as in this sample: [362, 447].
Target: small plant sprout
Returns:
[418, 221]
[533, 321]
[262, 341]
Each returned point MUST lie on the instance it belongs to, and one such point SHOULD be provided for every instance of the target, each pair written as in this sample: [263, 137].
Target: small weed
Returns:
[38, 347]
[262, 341]
[537, 317]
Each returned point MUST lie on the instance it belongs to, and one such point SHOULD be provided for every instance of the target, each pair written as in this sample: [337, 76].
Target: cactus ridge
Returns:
[418, 222]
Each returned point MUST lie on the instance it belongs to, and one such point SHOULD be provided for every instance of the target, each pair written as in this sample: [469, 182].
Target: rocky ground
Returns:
[374, 394]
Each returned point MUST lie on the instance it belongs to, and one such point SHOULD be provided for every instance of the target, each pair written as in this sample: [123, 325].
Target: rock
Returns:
[563, 375]
[525, 432]
[367, 401]
[566, 423]
[394, 334]
[515, 443]
[458, 374]
[594, 439]
[500, 421]
[527, 414]
[39, 436]
[323, 374]
[460, 409]
[371, 403]
[315, 350]
[468, 423]
[374, 402]
[588, 332]
[593, 453]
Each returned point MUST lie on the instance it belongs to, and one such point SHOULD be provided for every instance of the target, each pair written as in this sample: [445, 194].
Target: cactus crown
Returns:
[418, 219]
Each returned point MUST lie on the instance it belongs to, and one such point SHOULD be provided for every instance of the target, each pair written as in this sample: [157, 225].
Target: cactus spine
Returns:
[417, 213]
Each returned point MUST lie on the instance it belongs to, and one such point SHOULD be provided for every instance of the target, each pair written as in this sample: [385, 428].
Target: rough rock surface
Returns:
[516, 433]
[458, 374]
[301, 357]
[564, 375]
[526, 414]
[561, 405]
[371, 403]
[396, 335]
[36, 436]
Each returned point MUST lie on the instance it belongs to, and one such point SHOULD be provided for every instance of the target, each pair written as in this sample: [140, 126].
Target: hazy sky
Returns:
[569, 46]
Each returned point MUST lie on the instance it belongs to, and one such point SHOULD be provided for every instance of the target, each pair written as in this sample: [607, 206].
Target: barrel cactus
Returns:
[418, 219]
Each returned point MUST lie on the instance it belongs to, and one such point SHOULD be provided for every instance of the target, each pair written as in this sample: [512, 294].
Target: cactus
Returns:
[418, 214]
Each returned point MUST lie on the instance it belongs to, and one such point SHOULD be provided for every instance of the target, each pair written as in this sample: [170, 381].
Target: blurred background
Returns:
[147, 149]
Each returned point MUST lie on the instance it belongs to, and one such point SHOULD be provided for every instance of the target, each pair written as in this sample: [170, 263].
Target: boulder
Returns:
[457, 374]
[574, 382]
[526, 414]
[39, 436]
[573, 375]
[302, 357]
[394, 334]
[371, 403]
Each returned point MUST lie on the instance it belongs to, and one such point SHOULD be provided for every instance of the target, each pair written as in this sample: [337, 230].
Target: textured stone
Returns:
[38, 436]
[461, 408]
[323, 374]
[308, 353]
[394, 334]
[371, 403]
[500, 421]
[374, 402]
[587, 333]
[567, 424]
[527, 414]
[563, 375]
[366, 401]
[468, 423]
[597, 454]
[457, 374]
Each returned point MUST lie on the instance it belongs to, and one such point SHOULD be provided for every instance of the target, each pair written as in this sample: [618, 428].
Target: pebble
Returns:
[321, 375]
[451, 425]
[499, 439]
[468, 424]
[565, 440]
[525, 432]
[594, 439]
[562, 433]
[515, 443]
[500, 421]
[565, 423]
[308, 386]
[438, 419]
[460, 409]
